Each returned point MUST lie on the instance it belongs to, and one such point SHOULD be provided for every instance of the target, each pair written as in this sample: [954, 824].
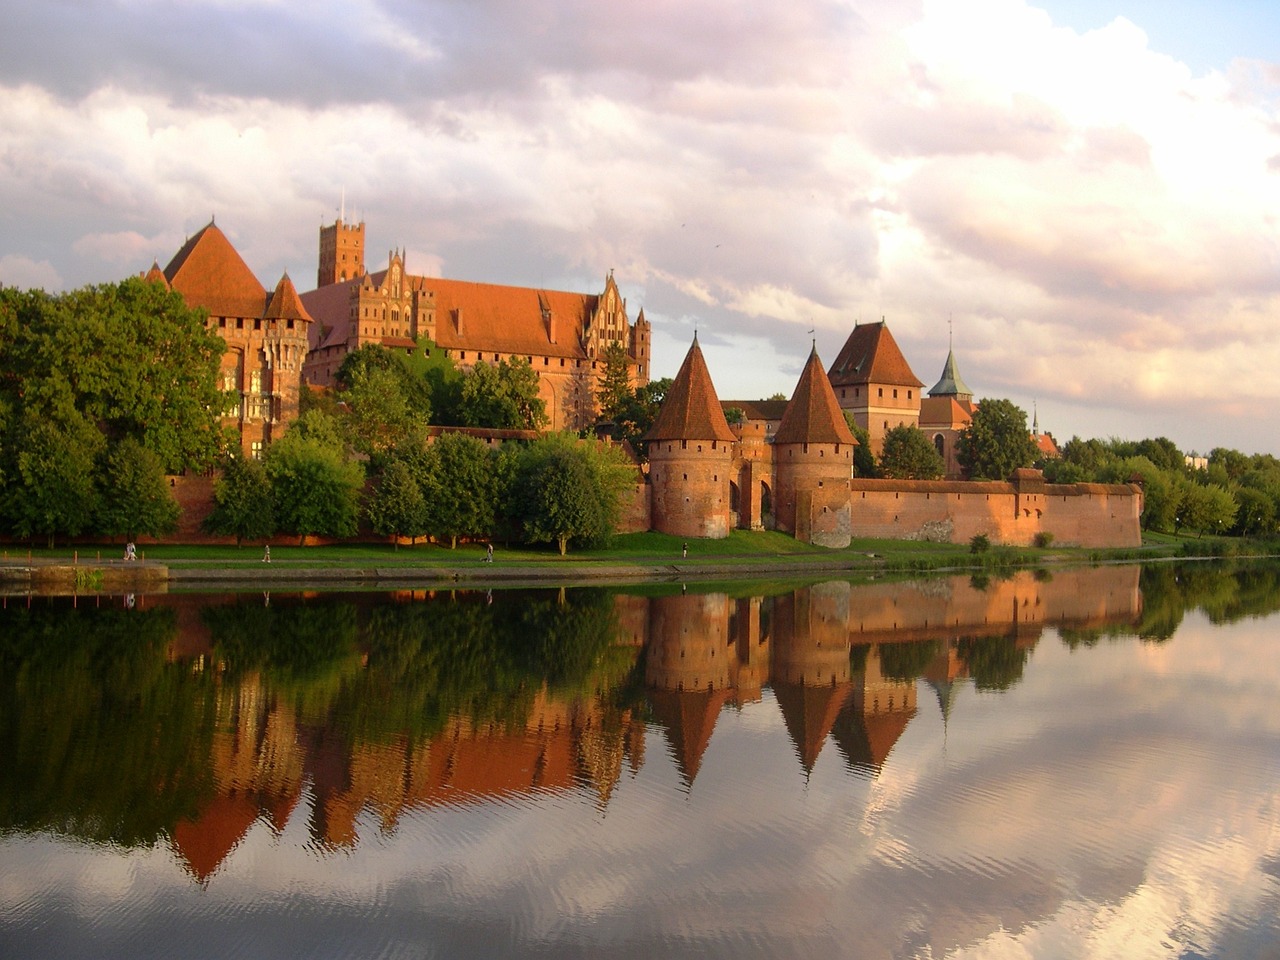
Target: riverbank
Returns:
[635, 558]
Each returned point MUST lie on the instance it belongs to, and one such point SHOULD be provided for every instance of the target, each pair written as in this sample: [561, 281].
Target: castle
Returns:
[563, 336]
[794, 474]
[266, 334]
[788, 466]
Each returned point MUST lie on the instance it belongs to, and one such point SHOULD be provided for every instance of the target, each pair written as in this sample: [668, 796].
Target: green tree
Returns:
[908, 455]
[134, 496]
[996, 442]
[397, 506]
[864, 461]
[1206, 509]
[461, 493]
[502, 396]
[379, 415]
[315, 489]
[133, 359]
[1162, 490]
[570, 491]
[639, 411]
[52, 490]
[243, 506]
[614, 388]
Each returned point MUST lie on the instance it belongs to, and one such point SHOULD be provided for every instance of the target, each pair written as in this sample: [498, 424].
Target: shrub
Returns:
[979, 543]
[1043, 539]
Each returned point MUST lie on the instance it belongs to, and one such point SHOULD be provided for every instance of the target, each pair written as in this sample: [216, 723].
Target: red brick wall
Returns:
[689, 487]
[1094, 515]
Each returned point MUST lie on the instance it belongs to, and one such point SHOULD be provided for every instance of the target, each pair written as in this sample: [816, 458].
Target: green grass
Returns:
[742, 549]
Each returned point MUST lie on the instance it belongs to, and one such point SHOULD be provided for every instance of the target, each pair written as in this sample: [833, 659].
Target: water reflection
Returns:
[182, 722]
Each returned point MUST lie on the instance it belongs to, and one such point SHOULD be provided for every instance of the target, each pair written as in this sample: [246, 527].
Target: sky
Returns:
[1080, 197]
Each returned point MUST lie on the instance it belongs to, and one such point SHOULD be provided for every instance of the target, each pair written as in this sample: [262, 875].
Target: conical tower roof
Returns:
[813, 415]
[156, 275]
[951, 385]
[285, 304]
[691, 410]
[209, 273]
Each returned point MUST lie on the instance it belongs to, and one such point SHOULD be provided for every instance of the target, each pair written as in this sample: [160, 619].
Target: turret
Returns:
[813, 461]
[690, 449]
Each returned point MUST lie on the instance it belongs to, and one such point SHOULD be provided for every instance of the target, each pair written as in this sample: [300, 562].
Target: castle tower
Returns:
[813, 461]
[690, 450]
[945, 412]
[341, 253]
[872, 378]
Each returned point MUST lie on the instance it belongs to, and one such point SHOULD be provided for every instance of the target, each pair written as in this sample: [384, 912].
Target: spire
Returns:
[1035, 420]
[285, 304]
[691, 410]
[951, 385]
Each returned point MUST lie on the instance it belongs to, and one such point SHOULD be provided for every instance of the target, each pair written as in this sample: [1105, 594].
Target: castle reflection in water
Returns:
[842, 663]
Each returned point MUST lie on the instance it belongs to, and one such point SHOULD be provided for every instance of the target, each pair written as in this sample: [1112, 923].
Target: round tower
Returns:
[813, 461]
[690, 451]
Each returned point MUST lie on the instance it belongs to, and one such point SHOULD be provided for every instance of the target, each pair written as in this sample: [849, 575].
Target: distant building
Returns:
[265, 333]
[562, 335]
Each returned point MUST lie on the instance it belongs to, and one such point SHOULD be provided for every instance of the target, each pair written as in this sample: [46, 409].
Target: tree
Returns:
[864, 461]
[130, 357]
[1206, 509]
[501, 396]
[1161, 489]
[996, 442]
[397, 507]
[639, 411]
[134, 498]
[570, 491]
[461, 493]
[908, 455]
[614, 389]
[242, 502]
[52, 491]
[315, 489]
[379, 415]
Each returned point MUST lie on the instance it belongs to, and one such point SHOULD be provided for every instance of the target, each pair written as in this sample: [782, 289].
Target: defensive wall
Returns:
[1014, 512]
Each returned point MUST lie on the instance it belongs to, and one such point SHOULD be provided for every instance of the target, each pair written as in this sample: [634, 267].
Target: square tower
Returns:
[341, 253]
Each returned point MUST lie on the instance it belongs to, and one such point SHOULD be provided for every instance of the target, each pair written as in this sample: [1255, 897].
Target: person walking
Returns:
[266, 553]
[684, 551]
[488, 553]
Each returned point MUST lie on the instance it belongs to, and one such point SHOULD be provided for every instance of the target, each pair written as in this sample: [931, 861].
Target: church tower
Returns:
[813, 461]
[341, 253]
[690, 450]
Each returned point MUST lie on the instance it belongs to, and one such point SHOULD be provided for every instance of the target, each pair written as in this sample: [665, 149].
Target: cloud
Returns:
[28, 274]
[1076, 201]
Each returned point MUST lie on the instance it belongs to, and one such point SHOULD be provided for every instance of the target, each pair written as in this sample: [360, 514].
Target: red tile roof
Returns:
[813, 415]
[757, 409]
[472, 316]
[945, 411]
[691, 410]
[209, 273]
[871, 355]
[285, 304]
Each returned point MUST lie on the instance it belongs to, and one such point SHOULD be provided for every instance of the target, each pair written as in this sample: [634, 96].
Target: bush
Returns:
[1043, 539]
[979, 543]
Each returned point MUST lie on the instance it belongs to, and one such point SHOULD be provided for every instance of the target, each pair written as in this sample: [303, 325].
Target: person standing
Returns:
[488, 553]
[266, 553]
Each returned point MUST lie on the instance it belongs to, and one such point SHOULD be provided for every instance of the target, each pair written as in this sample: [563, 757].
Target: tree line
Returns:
[107, 390]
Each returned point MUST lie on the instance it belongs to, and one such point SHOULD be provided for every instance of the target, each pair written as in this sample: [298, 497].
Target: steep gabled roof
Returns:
[691, 410]
[813, 415]
[511, 319]
[209, 273]
[871, 355]
[285, 304]
[951, 385]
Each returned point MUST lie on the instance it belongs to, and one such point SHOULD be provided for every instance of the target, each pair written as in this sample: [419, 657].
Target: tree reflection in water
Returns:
[187, 719]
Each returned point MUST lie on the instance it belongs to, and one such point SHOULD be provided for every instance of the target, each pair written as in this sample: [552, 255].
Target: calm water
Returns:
[1078, 765]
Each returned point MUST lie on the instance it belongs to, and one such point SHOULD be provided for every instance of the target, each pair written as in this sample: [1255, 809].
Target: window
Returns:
[879, 392]
[895, 393]
[255, 450]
